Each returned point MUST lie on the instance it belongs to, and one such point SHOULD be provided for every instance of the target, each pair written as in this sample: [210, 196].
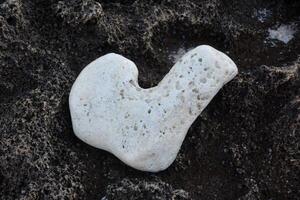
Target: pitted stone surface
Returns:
[145, 127]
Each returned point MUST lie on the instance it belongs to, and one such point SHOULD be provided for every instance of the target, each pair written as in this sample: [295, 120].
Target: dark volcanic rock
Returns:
[245, 145]
[127, 189]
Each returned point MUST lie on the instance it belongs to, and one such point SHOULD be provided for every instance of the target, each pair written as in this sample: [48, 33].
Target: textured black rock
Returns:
[244, 146]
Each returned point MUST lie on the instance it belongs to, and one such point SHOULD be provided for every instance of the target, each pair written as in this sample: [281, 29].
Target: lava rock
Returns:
[244, 145]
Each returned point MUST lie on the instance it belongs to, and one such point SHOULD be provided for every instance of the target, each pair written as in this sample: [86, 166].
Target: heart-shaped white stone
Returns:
[145, 127]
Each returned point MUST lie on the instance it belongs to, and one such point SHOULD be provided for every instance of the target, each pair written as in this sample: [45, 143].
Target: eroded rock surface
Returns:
[145, 127]
[243, 146]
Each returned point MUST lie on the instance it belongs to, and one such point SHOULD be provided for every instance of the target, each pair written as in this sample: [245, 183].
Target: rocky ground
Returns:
[245, 145]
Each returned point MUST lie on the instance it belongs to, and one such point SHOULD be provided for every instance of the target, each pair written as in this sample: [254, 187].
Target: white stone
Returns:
[145, 127]
[176, 55]
[283, 33]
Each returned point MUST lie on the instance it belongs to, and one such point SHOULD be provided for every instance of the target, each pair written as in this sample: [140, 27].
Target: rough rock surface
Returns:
[245, 145]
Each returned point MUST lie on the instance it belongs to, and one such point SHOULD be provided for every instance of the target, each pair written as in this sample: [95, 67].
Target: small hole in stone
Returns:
[203, 80]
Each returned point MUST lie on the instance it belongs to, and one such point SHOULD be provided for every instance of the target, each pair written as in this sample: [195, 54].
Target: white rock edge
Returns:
[145, 127]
